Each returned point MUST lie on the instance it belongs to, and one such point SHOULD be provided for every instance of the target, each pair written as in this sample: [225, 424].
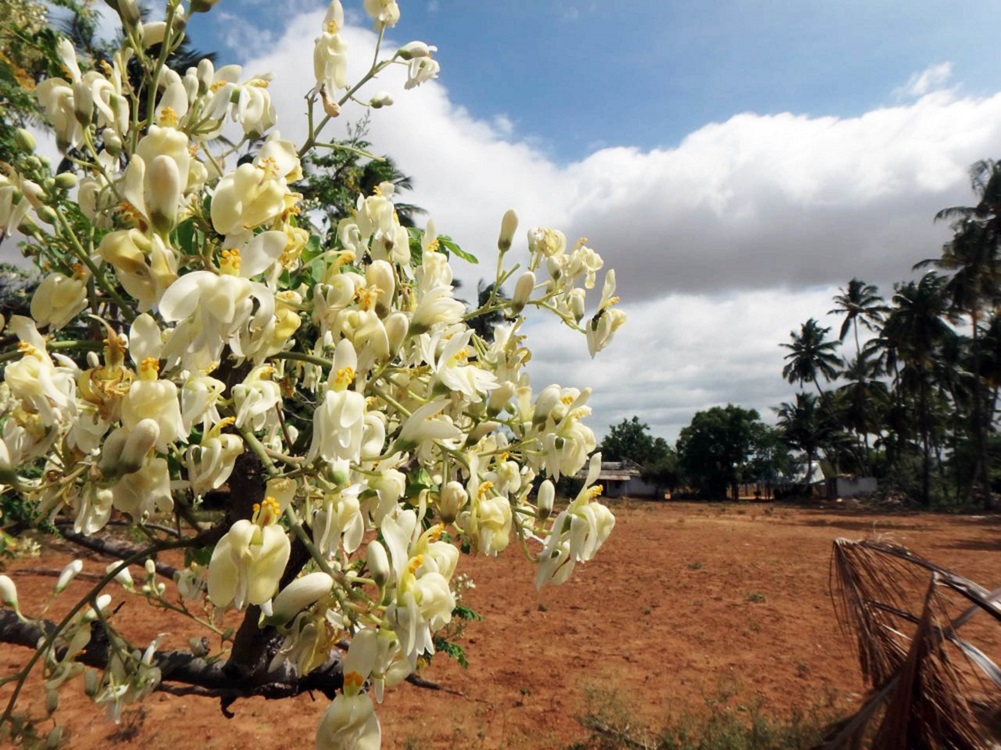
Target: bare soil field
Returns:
[685, 603]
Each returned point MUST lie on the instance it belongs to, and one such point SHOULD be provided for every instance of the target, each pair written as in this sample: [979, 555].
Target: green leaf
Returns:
[449, 244]
[185, 237]
[312, 249]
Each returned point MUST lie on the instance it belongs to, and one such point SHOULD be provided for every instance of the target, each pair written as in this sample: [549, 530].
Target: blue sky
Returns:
[736, 161]
[577, 75]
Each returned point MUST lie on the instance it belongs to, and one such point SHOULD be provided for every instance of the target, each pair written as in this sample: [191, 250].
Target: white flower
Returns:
[256, 398]
[145, 491]
[384, 12]
[59, 298]
[248, 562]
[339, 420]
[349, 723]
[211, 463]
[330, 61]
[420, 70]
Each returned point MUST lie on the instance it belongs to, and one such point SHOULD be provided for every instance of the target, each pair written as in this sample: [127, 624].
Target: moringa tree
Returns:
[191, 337]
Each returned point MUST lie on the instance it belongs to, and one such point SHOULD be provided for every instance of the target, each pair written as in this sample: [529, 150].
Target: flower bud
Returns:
[127, 11]
[24, 141]
[51, 700]
[544, 500]
[83, 103]
[453, 498]
[522, 291]
[46, 214]
[378, 563]
[140, 441]
[8, 592]
[413, 50]
[91, 683]
[380, 275]
[153, 33]
[150, 566]
[396, 331]
[164, 192]
[301, 593]
[509, 224]
[380, 100]
[123, 576]
[577, 304]
[202, 6]
[112, 142]
[68, 574]
[111, 452]
[65, 181]
[499, 397]
[54, 739]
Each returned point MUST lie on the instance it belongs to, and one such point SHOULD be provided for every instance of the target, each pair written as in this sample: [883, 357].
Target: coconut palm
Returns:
[862, 397]
[973, 256]
[859, 303]
[811, 356]
[916, 328]
[802, 427]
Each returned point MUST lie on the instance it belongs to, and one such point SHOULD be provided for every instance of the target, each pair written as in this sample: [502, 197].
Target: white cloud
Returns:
[722, 245]
[930, 79]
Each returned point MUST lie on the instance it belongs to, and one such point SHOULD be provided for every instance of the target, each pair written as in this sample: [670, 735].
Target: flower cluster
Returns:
[188, 320]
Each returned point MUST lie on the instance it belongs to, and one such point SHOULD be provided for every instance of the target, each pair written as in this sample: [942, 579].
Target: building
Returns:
[622, 479]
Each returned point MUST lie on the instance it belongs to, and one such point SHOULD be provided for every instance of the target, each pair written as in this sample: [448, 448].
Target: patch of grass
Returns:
[755, 597]
[695, 566]
[725, 725]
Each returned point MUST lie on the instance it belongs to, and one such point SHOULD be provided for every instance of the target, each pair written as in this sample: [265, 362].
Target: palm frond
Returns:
[920, 695]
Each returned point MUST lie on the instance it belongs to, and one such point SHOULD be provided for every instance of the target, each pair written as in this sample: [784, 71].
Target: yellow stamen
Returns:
[366, 297]
[230, 260]
[345, 376]
[26, 349]
[266, 512]
[149, 368]
[567, 400]
[415, 563]
[259, 83]
[435, 532]
[580, 243]
[168, 116]
[353, 681]
[270, 166]
[484, 489]
[434, 246]
[217, 85]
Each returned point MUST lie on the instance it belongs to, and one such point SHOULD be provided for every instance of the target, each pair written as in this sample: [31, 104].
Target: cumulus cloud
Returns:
[722, 244]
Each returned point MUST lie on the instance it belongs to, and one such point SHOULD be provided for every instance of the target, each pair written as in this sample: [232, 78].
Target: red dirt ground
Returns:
[683, 602]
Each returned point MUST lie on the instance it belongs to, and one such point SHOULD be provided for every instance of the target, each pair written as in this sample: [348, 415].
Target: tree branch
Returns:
[185, 673]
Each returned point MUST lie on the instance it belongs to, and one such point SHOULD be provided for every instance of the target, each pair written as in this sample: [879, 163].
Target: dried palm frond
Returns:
[917, 688]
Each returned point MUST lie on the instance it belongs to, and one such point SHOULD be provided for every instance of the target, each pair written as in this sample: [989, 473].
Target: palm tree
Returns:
[810, 356]
[916, 328]
[802, 427]
[860, 302]
[860, 393]
[974, 257]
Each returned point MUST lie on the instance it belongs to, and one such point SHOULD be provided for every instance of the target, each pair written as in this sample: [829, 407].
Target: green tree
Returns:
[631, 439]
[916, 329]
[811, 356]
[802, 427]
[859, 303]
[973, 256]
[715, 450]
